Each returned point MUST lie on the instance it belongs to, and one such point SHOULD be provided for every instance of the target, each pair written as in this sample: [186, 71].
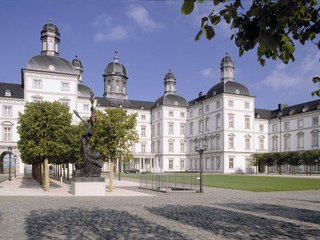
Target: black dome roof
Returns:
[49, 27]
[84, 91]
[169, 75]
[171, 100]
[50, 63]
[77, 63]
[115, 68]
[228, 87]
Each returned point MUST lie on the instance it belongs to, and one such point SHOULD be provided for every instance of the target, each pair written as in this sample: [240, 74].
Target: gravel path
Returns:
[216, 214]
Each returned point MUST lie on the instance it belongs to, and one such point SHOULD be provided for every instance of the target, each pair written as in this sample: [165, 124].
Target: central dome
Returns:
[228, 87]
[115, 68]
[171, 100]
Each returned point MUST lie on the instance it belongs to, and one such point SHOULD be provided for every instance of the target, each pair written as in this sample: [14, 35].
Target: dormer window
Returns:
[8, 93]
[305, 108]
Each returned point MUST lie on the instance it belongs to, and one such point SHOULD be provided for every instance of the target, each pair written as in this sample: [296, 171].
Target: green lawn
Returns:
[255, 183]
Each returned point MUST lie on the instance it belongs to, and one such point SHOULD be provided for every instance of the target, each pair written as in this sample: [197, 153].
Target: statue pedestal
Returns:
[88, 186]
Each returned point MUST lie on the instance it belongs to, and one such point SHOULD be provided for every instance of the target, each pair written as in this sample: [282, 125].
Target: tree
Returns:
[114, 134]
[42, 128]
[309, 158]
[294, 159]
[279, 158]
[273, 27]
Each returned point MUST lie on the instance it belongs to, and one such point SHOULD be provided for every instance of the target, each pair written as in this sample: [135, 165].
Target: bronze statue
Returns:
[91, 167]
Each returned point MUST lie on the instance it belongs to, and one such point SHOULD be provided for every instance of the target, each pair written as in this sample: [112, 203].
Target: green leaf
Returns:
[203, 20]
[198, 35]
[208, 32]
[316, 79]
[187, 7]
[215, 19]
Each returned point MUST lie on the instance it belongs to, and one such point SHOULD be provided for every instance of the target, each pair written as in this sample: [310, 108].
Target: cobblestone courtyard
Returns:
[216, 214]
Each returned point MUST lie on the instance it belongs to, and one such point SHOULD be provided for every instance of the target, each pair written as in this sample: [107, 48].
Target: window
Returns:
[230, 103]
[171, 129]
[315, 138]
[158, 114]
[191, 113]
[218, 123]
[247, 123]
[261, 127]
[158, 129]
[274, 127]
[191, 146]
[182, 129]
[206, 164]
[217, 104]
[275, 143]
[231, 121]
[171, 149]
[37, 83]
[218, 163]
[231, 142]
[182, 164]
[286, 126]
[7, 111]
[191, 128]
[300, 123]
[300, 140]
[65, 86]
[212, 164]
[158, 146]
[143, 131]
[182, 114]
[200, 110]
[7, 93]
[211, 143]
[170, 164]
[170, 114]
[315, 121]
[143, 147]
[287, 142]
[152, 147]
[182, 147]
[152, 116]
[247, 143]
[218, 142]
[143, 117]
[246, 105]
[200, 126]
[206, 124]
[85, 107]
[231, 159]
[261, 142]
[6, 134]
[152, 130]
[207, 108]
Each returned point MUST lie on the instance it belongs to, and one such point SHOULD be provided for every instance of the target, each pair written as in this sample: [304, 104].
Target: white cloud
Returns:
[207, 72]
[116, 33]
[102, 20]
[142, 18]
[293, 76]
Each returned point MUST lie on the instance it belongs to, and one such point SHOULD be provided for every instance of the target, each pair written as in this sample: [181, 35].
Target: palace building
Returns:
[170, 127]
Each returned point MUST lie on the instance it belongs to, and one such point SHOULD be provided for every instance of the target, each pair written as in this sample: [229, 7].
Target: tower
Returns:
[227, 69]
[169, 83]
[115, 79]
[50, 38]
[78, 67]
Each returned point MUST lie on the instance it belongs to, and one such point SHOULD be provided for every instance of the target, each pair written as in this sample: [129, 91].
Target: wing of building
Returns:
[224, 120]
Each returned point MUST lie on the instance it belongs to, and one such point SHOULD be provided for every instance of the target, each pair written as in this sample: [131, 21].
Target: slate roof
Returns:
[125, 103]
[16, 90]
[288, 110]
[228, 87]
[42, 63]
[171, 100]
[84, 91]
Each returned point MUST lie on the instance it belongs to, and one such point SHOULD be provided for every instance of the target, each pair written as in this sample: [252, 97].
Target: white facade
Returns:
[169, 129]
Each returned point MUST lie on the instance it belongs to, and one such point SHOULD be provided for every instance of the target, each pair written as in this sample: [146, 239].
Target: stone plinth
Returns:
[88, 186]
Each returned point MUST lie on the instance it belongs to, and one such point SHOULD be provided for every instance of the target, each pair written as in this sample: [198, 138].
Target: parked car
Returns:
[135, 171]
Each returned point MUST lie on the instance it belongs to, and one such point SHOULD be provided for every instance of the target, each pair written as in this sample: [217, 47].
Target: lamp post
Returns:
[10, 151]
[200, 150]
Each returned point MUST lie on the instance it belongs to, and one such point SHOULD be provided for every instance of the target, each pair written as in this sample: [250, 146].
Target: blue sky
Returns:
[151, 37]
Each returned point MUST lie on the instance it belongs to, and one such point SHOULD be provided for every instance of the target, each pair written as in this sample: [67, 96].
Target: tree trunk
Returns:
[46, 186]
[68, 175]
[279, 169]
[267, 169]
[110, 176]
[306, 169]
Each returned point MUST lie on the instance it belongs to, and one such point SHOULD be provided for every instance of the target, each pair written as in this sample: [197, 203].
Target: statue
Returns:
[91, 167]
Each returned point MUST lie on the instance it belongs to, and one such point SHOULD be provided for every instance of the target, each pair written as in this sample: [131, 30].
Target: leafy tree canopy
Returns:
[272, 27]
[114, 134]
[42, 128]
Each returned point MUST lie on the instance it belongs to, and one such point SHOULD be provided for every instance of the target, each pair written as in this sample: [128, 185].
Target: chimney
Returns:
[281, 106]
[200, 94]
